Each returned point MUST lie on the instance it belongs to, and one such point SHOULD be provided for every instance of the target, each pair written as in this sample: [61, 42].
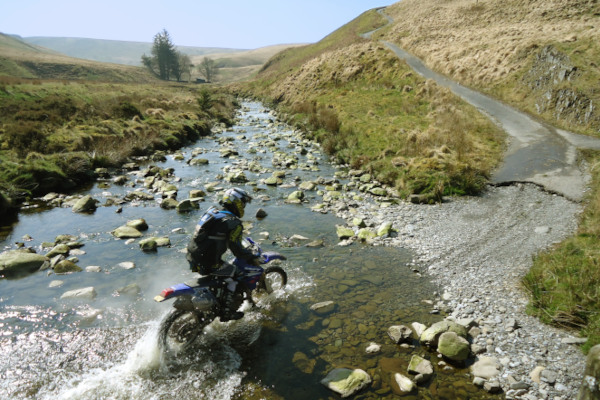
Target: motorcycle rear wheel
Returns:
[274, 278]
[180, 328]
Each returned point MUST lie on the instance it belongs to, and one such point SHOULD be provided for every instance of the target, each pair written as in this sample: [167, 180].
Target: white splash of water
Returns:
[124, 380]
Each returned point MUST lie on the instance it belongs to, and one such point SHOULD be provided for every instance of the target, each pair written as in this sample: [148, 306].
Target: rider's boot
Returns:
[230, 306]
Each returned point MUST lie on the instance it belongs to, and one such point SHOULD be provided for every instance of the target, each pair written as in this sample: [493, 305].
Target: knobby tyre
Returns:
[180, 328]
[274, 278]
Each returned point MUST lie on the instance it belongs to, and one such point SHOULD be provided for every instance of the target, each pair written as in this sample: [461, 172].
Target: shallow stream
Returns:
[51, 348]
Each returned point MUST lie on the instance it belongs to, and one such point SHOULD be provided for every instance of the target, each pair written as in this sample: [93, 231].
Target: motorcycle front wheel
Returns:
[273, 279]
[180, 328]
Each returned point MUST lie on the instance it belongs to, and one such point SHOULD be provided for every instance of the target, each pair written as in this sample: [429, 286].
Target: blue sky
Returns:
[242, 24]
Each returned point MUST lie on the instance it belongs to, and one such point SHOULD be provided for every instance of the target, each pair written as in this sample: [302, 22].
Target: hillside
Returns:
[234, 64]
[23, 60]
[369, 110]
[541, 56]
[114, 51]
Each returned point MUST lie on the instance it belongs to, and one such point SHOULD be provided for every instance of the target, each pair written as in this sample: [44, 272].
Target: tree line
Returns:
[167, 63]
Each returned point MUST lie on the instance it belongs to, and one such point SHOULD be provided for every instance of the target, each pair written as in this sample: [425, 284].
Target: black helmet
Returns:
[235, 200]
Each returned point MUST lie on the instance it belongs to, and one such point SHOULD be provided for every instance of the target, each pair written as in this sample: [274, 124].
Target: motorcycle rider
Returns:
[217, 231]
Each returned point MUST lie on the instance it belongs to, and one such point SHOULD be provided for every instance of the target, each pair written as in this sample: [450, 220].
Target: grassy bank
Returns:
[369, 110]
[54, 134]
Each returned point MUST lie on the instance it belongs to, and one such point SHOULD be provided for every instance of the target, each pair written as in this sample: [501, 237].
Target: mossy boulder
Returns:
[126, 232]
[66, 267]
[431, 335]
[344, 232]
[19, 263]
[86, 204]
[453, 346]
[169, 204]
[58, 249]
[148, 244]
[140, 224]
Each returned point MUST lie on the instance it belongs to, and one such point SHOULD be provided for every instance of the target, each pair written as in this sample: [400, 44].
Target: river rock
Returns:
[344, 232]
[138, 195]
[66, 239]
[163, 241]
[197, 194]
[419, 328]
[402, 384]
[140, 224]
[366, 234]
[66, 267]
[399, 333]
[20, 262]
[130, 290]
[198, 161]
[84, 293]
[56, 283]
[126, 232]
[61, 249]
[486, 368]
[384, 229]
[359, 222]
[454, 347]
[85, 204]
[307, 186]
[323, 308]
[127, 265]
[148, 244]
[430, 336]
[373, 348]
[187, 205]
[303, 363]
[236, 177]
[120, 180]
[260, 213]
[93, 268]
[420, 366]
[296, 197]
[346, 382]
[169, 204]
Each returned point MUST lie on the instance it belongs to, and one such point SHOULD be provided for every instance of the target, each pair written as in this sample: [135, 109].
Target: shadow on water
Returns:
[106, 347]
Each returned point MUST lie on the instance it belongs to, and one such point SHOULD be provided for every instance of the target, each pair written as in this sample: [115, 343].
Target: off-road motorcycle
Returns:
[198, 303]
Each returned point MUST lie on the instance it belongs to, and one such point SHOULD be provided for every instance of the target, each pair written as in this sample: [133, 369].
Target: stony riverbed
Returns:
[462, 259]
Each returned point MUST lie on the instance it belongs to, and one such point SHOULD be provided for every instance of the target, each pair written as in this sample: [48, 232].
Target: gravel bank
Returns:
[477, 250]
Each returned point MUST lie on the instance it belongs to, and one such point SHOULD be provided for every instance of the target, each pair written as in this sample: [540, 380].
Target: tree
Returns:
[185, 66]
[163, 59]
[208, 69]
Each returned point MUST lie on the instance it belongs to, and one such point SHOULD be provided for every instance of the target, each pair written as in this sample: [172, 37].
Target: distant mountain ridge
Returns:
[112, 51]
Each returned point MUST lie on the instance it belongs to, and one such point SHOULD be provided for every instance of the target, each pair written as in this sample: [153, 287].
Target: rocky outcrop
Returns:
[549, 76]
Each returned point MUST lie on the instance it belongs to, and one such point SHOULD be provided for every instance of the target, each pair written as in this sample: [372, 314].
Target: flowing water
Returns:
[106, 348]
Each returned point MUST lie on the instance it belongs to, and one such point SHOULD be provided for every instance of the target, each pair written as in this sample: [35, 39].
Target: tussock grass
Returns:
[53, 134]
[369, 110]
